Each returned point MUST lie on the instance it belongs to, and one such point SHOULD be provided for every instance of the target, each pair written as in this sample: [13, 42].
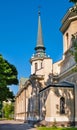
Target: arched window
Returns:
[41, 64]
[67, 38]
[72, 40]
[36, 67]
[62, 105]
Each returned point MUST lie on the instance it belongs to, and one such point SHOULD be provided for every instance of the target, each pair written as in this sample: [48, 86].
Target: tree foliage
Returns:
[74, 1]
[8, 73]
[5, 93]
[8, 76]
[74, 47]
[8, 110]
[74, 38]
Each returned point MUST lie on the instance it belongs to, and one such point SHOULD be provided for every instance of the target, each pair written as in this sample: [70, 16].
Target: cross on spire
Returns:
[39, 7]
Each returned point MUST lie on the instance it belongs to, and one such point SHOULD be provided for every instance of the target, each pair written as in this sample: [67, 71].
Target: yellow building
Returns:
[50, 93]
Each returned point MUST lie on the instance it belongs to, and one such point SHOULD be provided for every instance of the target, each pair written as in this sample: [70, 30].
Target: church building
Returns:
[49, 95]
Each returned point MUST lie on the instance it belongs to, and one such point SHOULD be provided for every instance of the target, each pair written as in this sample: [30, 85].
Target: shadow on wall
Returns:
[65, 105]
[33, 107]
[36, 104]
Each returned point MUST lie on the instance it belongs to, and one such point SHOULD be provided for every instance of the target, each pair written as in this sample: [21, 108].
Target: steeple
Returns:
[40, 45]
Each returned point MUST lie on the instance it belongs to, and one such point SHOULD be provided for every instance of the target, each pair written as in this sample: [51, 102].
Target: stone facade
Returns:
[50, 93]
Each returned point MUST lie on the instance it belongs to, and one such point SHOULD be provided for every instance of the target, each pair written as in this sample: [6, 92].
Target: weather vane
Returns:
[39, 7]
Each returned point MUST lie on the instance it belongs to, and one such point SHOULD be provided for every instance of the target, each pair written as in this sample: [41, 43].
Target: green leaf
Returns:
[8, 76]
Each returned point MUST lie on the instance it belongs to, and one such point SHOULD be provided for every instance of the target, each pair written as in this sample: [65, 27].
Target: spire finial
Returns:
[39, 7]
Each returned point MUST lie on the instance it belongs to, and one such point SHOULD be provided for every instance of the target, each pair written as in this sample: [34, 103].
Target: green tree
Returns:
[8, 73]
[74, 1]
[8, 110]
[74, 38]
[5, 93]
[8, 76]
[73, 49]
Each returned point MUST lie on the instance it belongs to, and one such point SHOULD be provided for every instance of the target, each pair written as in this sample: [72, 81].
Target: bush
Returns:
[8, 110]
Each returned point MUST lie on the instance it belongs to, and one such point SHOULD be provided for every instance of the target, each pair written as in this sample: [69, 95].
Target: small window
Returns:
[72, 40]
[36, 67]
[62, 105]
[67, 39]
[41, 65]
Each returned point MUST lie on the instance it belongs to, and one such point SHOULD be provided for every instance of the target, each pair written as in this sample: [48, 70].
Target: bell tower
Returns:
[41, 64]
[37, 58]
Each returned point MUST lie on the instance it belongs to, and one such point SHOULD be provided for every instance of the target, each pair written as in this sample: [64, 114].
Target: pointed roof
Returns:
[40, 45]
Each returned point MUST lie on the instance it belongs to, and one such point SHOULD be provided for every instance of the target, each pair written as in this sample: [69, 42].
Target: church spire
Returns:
[40, 45]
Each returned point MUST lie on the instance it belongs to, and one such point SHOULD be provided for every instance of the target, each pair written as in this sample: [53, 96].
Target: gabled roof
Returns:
[61, 84]
[65, 84]
[23, 80]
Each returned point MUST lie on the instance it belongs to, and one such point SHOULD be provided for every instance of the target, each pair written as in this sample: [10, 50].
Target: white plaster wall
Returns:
[67, 64]
[56, 68]
[53, 100]
[73, 79]
[47, 65]
[39, 66]
[46, 68]
[71, 30]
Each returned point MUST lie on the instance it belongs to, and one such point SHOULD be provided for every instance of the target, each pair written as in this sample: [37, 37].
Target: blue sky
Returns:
[18, 31]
